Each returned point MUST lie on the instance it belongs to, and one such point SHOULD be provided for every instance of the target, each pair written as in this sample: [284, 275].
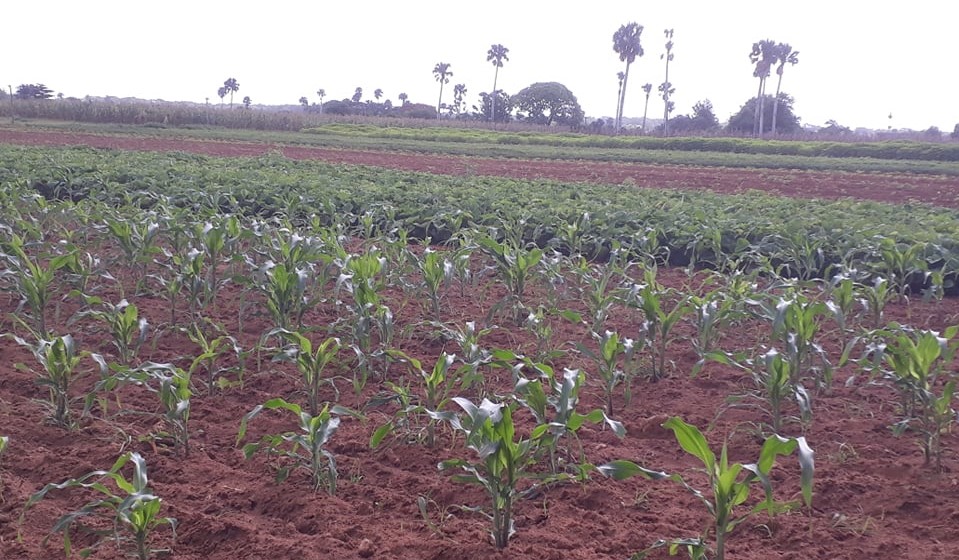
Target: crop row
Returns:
[176, 227]
[801, 238]
[898, 150]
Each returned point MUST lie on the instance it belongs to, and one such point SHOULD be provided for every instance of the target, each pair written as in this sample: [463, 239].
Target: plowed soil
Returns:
[874, 497]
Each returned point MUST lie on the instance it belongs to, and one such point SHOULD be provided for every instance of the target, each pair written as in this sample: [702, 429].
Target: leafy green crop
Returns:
[132, 509]
[502, 460]
[305, 449]
[729, 484]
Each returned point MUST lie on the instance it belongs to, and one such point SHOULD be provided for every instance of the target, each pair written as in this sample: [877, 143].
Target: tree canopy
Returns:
[702, 119]
[33, 91]
[745, 120]
[548, 103]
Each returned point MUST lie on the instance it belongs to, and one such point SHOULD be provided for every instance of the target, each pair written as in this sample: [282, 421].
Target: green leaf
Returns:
[692, 441]
[622, 469]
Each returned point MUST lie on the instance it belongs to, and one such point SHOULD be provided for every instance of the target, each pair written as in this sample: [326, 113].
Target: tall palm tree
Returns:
[647, 88]
[763, 56]
[784, 54]
[321, 93]
[377, 93]
[403, 97]
[222, 93]
[232, 86]
[667, 88]
[442, 73]
[626, 43]
[497, 54]
[619, 92]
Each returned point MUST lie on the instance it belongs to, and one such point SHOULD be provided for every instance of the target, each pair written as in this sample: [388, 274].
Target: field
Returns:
[198, 279]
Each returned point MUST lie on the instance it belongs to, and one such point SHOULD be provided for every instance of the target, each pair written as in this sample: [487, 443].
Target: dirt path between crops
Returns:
[884, 187]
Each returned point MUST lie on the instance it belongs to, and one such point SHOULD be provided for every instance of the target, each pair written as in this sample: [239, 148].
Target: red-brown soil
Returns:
[884, 187]
[873, 496]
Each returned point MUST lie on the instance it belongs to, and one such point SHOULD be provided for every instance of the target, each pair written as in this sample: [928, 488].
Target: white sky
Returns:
[860, 60]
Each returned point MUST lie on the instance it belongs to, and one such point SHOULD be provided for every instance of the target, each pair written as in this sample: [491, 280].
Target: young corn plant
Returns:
[773, 387]
[310, 362]
[729, 484]
[215, 240]
[795, 321]
[503, 461]
[170, 383]
[211, 350]
[129, 506]
[915, 362]
[426, 404]
[653, 299]
[515, 265]
[33, 281]
[615, 362]
[362, 277]
[599, 291]
[843, 297]
[874, 299]
[900, 262]
[553, 400]
[712, 314]
[59, 358]
[127, 329]
[305, 449]
[138, 241]
[286, 293]
[437, 274]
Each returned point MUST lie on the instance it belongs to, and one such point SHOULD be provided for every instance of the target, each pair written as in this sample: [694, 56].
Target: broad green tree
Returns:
[744, 121]
[232, 86]
[548, 103]
[627, 44]
[763, 55]
[442, 72]
[784, 55]
[496, 54]
[33, 91]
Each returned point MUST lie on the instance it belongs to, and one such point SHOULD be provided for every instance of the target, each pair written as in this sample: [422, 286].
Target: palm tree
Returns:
[222, 93]
[442, 73]
[496, 54]
[377, 93]
[459, 95]
[763, 56]
[232, 86]
[321, 93]
[403, 97]
[784, 54]
[247, 101]
[305, 102]
[626, 43]
[357, 95]
[667, 88]
[647, 88]
[619, 92]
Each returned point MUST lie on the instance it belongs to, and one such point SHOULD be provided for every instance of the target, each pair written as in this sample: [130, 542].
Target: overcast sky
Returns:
[860, 60]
